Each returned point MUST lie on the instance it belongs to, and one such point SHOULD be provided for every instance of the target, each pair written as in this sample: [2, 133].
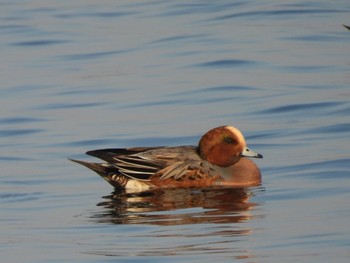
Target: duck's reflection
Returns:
[177, 206]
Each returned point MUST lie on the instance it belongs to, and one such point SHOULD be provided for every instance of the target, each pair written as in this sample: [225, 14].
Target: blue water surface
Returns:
[83, 75]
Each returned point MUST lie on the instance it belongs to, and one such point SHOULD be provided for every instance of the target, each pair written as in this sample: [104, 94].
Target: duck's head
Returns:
[223, 146]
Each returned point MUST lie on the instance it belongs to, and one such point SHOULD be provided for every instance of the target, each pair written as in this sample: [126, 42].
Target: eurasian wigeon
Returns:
[218, 160]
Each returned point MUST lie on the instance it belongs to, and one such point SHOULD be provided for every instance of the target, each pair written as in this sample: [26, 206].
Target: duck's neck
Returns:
[243, 173]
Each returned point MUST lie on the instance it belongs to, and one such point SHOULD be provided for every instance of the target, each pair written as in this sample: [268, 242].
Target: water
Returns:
[94, 74]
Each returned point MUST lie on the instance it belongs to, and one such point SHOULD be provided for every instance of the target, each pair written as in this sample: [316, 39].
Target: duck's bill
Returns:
[249, 153]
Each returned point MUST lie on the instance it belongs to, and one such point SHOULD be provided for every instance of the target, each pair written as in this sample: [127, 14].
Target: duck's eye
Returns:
[229, 140]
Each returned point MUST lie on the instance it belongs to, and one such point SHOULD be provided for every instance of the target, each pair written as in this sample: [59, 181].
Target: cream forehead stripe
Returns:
[237, 133]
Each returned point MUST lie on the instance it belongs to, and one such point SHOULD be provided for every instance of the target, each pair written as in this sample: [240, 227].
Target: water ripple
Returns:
[13, 159]
[200, 8]
[226, 63]
[156, 103]
[307, 69]
[302, 107]
[335, 128]
[35, 43]
[20, 197]
[69, 105]
[329, 165]
[107, 14]
[178, 38]
[317, 38]
[94, 55]
[15, 29]
[20, 120]
[216, 94]
[19, 132]
[279, 13]
[214, 90]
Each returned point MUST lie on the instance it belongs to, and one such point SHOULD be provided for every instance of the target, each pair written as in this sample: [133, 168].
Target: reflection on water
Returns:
[191, 207]
[220, 217]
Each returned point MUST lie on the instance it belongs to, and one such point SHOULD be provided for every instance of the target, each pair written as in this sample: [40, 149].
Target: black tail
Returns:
[106, 171]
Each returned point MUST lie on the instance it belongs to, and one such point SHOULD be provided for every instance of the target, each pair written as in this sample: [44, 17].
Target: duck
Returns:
[221, 158]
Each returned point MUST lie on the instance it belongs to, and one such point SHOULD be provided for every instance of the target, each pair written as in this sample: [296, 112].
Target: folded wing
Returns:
[155, 163]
